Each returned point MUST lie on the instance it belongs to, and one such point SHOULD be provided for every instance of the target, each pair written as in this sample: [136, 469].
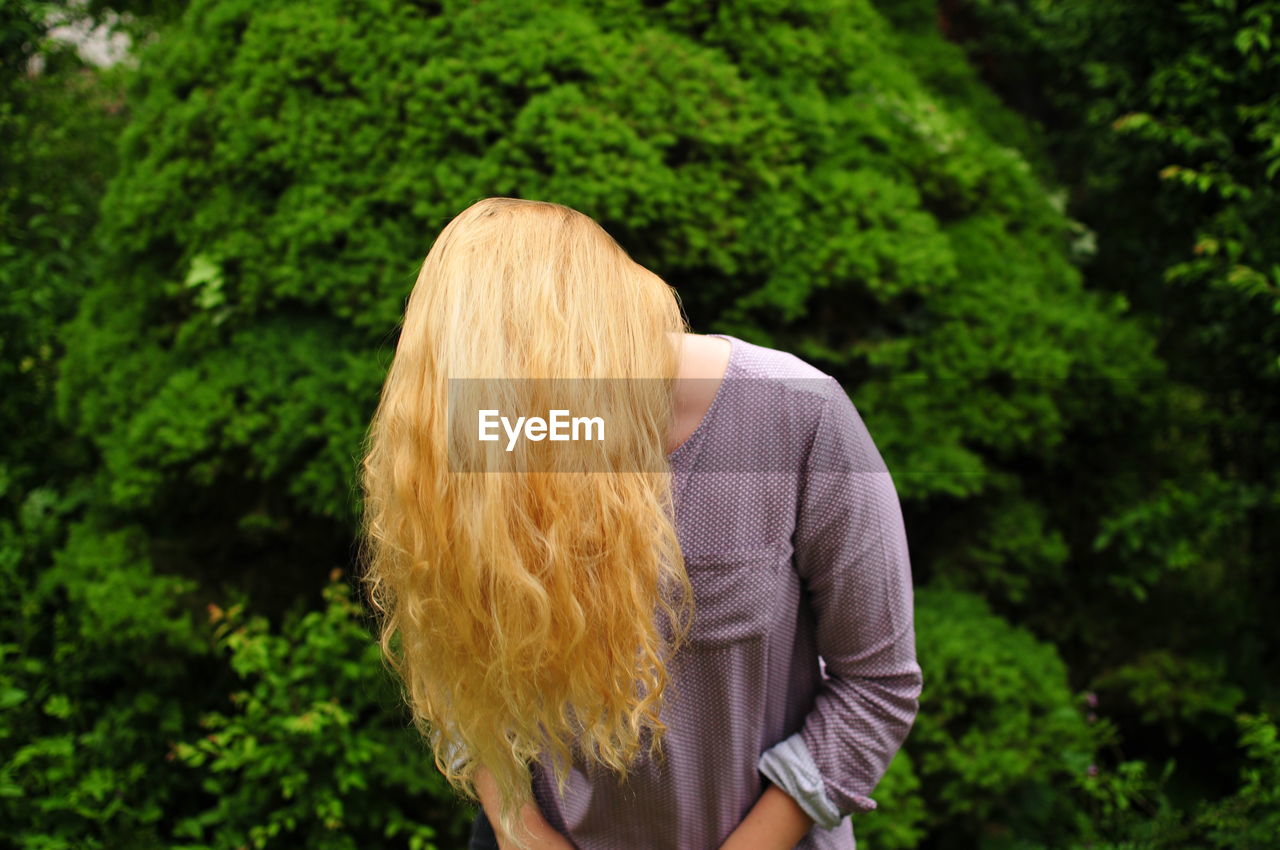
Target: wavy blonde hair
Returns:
[518, 609]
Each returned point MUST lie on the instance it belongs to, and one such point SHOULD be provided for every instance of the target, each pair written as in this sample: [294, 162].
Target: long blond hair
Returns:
[518, 609]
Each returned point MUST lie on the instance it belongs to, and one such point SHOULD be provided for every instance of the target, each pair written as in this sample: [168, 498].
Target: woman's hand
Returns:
[775, 822]
[544, 837]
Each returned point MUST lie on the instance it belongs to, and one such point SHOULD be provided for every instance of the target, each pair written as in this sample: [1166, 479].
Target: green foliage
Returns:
[1001, 738]
[57, 133]
[264, 407]
[100, 660]
[1175, 692]
[1161, 120]
[311, 753]
[1185, 111]
[97, 654]
[1251, 816]
[120, 729]
[1131, 808]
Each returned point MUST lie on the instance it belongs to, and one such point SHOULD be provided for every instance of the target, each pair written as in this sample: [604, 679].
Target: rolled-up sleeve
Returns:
[851, 554]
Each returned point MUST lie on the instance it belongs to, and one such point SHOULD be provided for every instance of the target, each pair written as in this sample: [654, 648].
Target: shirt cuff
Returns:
[791, 767]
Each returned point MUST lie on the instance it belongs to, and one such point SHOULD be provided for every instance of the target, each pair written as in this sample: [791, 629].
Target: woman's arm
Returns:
[544, 836]
[775, 822]
[852, 555]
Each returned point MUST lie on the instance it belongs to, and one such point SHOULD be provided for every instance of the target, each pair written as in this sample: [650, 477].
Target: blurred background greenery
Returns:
[1037, 241]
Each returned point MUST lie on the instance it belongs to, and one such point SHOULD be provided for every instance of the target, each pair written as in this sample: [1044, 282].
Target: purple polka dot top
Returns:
[800, 670]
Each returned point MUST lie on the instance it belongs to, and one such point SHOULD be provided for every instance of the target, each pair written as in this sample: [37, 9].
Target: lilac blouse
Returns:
[801, 666]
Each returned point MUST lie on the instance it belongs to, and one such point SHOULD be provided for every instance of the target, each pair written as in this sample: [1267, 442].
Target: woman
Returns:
[695, 632]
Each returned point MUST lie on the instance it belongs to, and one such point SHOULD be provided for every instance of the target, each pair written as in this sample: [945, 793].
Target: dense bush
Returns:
[100, 663]
[286, 167]
[1001, 737]
[315, 750]
[1162, 122]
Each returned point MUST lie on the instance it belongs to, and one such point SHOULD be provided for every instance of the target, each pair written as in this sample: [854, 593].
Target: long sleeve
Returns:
[851, 554]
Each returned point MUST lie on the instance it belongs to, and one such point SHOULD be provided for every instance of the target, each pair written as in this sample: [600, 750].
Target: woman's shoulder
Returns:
[769, 409]
[776, 372]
